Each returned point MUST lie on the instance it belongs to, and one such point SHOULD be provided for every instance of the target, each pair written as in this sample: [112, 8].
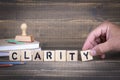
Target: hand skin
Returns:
[105, 38]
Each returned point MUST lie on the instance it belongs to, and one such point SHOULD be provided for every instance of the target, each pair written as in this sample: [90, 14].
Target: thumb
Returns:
[100, 49]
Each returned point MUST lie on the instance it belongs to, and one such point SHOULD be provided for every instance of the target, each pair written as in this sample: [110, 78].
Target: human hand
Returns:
[105, 38]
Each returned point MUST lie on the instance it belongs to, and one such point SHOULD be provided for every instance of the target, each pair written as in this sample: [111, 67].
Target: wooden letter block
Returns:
[38, 55]
[26, 55]
[72, 55]
[49, 55]
[85, 55]
[60, 55]
[14, 55]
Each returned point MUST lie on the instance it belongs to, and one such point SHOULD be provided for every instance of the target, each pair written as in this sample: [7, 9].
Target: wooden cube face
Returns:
[26, 55]
[72, 55]
[49, 55]
[38, 55]
[14, 55]
[60, 55]
[85, 55]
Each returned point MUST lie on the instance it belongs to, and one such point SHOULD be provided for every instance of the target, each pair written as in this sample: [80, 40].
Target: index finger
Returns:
[94, 37]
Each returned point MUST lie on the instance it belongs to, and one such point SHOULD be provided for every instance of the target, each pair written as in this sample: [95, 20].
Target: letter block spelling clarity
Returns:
[49, 55]
[38, 55]
[14, 56]
[60, 55]
[26, 55]
[72, 55]
[85, 55]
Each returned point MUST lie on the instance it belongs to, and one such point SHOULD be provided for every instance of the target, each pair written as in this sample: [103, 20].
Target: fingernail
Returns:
[93, 52]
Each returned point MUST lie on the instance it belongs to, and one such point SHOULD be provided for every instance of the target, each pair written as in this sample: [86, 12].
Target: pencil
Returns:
[6, 65]
[16, 62]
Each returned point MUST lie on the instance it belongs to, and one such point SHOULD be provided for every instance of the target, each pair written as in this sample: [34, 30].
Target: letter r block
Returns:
[72, 55]
[49, 55]
[85, 55]
[14, 55]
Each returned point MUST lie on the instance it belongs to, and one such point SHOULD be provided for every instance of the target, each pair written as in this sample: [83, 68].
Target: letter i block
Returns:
[85, 55]
[38, 55]
[49, 55]
[14, 55]
[72, 55]
[26, 55]
[60, 55]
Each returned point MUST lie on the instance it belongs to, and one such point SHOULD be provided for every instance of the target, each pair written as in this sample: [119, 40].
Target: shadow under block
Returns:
[72, 55]
[24, 38]
[60, 55]
[38, 55]
[26, 55]
[85, 55]
[14, 55]
[49, 55]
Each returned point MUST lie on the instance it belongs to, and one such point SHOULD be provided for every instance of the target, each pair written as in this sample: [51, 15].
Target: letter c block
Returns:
[14, 55]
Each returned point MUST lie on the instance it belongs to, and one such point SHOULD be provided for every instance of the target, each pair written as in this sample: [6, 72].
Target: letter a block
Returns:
[38, 55]
[14, 55]
[49, 55]
[26, 55]
[85, 55]
[72, 55]
[60, 55]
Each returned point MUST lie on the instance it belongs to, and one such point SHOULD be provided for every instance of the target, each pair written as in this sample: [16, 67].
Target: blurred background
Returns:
[57, 24]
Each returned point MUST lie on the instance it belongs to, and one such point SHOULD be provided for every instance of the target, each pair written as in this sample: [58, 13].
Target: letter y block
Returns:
[85, 55]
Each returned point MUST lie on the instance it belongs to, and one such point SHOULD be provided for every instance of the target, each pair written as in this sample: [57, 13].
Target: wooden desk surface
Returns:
[97, 69]
[93, 70]
[59, 24]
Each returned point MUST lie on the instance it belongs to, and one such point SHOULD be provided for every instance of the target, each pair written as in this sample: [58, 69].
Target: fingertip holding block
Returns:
[85, 55]
[60, 55]
[49, 55]
[38, 55]
[72, 55]
[14, 55]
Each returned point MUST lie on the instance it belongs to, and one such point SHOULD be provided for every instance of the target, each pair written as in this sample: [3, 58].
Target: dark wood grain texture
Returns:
[65, 70]
[59, 24]
[56, 23]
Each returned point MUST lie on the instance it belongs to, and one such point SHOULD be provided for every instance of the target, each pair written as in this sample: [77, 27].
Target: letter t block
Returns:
[72, 55]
